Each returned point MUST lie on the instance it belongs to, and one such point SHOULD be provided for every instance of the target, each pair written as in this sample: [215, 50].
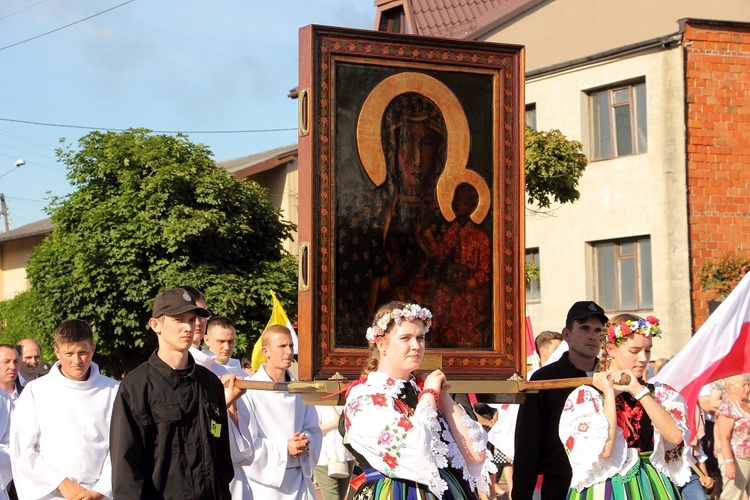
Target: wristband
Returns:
[729, 460]
[644, 392]
[428, 391]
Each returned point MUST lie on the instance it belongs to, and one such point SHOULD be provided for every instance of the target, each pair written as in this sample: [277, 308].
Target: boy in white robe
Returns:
[240, 433]
[59, 435]
[288, 440]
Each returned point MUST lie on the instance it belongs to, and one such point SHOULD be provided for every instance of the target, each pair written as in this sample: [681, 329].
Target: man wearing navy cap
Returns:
[538, 447]
[169, 435]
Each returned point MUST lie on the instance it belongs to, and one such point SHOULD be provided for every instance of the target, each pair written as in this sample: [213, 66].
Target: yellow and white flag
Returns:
[278, 317]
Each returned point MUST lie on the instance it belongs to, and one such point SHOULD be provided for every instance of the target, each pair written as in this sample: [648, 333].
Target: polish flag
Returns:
[720, 348]
[532, 357]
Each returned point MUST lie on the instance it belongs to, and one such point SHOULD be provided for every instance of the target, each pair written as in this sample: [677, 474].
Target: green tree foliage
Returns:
[554, 166]
[20, 320]
[151, 212]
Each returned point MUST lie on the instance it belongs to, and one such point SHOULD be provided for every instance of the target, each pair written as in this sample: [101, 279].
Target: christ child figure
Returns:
[461, 301]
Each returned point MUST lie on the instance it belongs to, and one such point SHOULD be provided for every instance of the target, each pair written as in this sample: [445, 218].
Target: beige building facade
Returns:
[640, 196]
[15, 248]
[556, 31]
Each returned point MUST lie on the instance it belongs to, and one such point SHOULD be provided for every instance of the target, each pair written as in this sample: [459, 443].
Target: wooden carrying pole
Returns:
[460, 386]
[317, 392]
[320, 392]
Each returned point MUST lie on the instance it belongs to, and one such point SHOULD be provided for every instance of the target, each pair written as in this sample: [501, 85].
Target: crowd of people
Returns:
[178, 427]
[625, 435]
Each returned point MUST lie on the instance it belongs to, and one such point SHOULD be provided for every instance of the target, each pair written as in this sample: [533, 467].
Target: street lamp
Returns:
[3, 207]
[19, 163]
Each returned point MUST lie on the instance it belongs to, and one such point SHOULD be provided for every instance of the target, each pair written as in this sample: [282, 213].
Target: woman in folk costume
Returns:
[626, 439]
[407, 434]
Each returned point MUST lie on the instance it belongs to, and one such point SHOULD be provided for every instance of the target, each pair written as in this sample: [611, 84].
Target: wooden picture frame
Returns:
[411, 185]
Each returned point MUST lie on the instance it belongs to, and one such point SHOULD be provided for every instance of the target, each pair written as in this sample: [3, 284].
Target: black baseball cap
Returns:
[585, 309]
[176, 301]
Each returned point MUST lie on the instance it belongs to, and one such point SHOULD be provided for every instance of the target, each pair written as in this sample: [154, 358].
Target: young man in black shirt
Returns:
[169, 435]
[538, 449]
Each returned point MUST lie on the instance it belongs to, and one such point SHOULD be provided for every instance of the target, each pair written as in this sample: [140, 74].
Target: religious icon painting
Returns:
[410, 189]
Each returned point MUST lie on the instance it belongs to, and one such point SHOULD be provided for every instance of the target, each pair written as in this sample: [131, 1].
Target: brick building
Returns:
[717, 101]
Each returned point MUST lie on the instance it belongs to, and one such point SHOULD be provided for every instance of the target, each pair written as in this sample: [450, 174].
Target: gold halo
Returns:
[455, 172]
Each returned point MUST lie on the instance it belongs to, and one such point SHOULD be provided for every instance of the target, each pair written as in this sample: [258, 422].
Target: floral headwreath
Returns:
[648, 327]
[410, 312]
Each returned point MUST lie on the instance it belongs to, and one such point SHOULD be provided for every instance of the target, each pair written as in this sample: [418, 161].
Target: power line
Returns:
[19, 11]
[154, 131]
[29, 200]
[25, 151]
[29, 140]
[66, 26]
[36, 164]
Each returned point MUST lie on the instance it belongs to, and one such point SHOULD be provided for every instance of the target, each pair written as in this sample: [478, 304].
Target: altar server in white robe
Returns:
[288, 440]
[221, 336]
[241, 434]
[59, 435]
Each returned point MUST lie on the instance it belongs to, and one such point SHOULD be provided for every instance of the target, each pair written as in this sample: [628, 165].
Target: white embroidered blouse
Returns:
[409, 447]
[584, 432]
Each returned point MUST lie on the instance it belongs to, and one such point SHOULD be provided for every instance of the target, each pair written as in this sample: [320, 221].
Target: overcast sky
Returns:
[167, 65]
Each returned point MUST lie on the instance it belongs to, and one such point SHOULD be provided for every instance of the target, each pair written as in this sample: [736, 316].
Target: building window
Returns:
[533, 290]
[623, 274]
[530, 116]
[393, 20]
[618, 121]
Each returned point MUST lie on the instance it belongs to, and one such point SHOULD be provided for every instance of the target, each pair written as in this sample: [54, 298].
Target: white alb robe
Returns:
[59, 429]
[274, 474]
[241, 445]
[233, 366]
[207, 359]
[240, 439]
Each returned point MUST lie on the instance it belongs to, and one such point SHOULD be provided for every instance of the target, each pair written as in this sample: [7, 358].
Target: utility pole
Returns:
[4, 211]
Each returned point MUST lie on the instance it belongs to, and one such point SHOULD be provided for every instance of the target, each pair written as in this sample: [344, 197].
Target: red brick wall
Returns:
[717, 77]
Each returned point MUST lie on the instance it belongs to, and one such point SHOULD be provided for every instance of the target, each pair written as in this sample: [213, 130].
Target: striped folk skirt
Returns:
[380, 487]
[642, 482]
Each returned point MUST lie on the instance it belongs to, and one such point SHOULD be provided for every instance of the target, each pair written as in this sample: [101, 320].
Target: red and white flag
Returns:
[532, 357]
[720, 348]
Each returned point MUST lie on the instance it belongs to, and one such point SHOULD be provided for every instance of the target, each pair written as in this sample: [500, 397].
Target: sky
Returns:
[70, 66]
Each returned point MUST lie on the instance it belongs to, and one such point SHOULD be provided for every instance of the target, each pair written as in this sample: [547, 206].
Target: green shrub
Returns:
[19, 319]
[722, 274]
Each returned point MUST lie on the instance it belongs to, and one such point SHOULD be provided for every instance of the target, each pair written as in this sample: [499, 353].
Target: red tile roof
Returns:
[462, 18]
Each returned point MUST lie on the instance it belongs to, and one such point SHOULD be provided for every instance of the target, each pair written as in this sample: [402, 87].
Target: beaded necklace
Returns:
[629, 419]
[399, 400]
[402, 407]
